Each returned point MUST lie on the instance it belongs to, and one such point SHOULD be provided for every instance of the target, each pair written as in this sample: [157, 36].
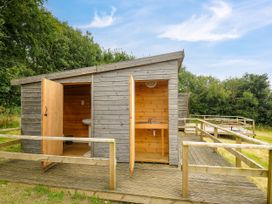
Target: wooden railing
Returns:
[255, 169]
[111, 161]
[254, 172]
[232, 121]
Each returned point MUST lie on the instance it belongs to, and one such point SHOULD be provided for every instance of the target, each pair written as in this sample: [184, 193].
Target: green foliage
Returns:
[248, 96]
[33, 41]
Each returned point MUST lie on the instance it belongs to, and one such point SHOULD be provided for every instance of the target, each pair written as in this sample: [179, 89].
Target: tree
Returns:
[248, 96]
[33, 41]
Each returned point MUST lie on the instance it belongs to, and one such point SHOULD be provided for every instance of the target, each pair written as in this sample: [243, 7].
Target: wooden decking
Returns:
[148, 181]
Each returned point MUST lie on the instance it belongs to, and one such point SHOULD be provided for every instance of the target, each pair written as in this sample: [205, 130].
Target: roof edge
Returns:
[179, 55]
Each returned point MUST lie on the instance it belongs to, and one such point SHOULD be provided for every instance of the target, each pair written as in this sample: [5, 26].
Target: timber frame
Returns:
[255, 170]
[111, 161]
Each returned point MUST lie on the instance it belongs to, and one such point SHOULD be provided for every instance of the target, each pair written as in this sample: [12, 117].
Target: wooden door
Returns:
[52, 118]
[132, 124]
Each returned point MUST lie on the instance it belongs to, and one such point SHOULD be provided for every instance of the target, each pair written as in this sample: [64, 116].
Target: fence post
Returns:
[269, 180]
[215, 134]
[196, 126]
[237, 160]
[253, 128]
[112, 165]
[185, 179]
[201, 130]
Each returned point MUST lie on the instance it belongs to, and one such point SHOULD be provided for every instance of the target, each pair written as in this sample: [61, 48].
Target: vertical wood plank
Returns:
[162, 141]
[215, 133]
[269, 180]
[132, 124]
[238, 161]
[185, 176]
[112, 165]
[196, 131]
[201, 132]
[52, 118]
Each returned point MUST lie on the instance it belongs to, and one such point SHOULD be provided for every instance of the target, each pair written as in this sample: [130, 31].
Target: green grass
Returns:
[258, 155]
[9, 118]
[36, 194]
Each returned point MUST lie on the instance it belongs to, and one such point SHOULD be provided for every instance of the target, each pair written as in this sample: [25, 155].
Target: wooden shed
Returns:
[135, 102]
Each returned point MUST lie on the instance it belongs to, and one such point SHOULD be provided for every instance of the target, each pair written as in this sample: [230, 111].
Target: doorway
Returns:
[76, 108]
[151, 121]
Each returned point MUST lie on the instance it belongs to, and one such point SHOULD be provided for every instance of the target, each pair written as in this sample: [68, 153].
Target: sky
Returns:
[222, 38]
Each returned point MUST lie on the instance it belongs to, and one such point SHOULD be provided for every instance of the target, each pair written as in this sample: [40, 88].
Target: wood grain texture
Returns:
[31, 117]
[111, 112]
[103, 68]
[151, 103]
[77, 106]
[132, 124]
[52, 117]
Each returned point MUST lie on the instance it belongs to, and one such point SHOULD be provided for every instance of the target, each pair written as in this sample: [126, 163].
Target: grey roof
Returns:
[104, 68]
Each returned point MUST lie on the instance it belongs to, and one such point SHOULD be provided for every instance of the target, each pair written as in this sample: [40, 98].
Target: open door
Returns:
[52, 118]
[132, 124]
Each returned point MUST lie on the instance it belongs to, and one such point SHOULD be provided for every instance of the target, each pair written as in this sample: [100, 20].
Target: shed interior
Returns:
[151, 121]
[76, 107]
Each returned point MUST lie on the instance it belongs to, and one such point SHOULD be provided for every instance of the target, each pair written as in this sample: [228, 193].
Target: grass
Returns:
[23, 193]
[258, 155]
[9, 117]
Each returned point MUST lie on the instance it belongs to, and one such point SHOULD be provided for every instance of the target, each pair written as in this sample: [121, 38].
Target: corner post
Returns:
[269, 180]
[185, 176]
[112, 165]
[238, 161]
[215, 134]
[196, 126]
[253, 128]
[201, 130]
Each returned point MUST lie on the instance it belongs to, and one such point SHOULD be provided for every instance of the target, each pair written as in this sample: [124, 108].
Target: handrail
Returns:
[224, 116]
[227, 145]
[224, 170]
[56, 138]
[66, 159]
[240, 135]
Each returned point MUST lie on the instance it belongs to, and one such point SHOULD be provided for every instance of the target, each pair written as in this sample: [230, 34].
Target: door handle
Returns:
[45, 112]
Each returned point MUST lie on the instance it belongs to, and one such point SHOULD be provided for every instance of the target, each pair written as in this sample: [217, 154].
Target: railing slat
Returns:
[57, 138]
[233, 171]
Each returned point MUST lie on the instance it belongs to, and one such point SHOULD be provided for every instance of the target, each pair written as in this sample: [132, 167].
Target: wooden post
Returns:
[112, 165]
[201, 127]
[185, 176]
[253, 128]
[215, 134]
[237, 160]
[162, 141]
[196, 131]
[269, 180]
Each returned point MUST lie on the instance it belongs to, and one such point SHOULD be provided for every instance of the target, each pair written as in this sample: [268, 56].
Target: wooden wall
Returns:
[151, 103]
[75, 111]
[111, 106]
[31, 116]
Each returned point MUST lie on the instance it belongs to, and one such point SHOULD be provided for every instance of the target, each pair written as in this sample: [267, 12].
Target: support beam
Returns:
[238, 162]
[12, 142]
[231, 171]
[54, 158]
[112, 165]
[53, 138]
[269, 181]
[227, 145]
[185, 173]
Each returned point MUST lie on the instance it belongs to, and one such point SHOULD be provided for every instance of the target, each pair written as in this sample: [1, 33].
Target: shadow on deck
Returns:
[148, 181]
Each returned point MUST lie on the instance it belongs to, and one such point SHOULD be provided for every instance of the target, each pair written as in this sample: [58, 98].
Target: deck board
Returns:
[152, 180]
